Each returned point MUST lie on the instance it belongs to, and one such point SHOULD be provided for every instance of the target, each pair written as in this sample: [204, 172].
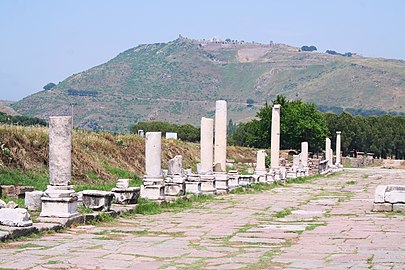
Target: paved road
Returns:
[325, 224]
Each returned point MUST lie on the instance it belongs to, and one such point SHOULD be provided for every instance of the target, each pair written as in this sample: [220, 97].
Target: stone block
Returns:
[21, 190]
[395, 194]
[33, 201]
[18, 217]
[193, 187]
[379, 194]
[97, 200]
[3, 204]
[126, 195]
[8, 191]
[122, 183]
[11, 205]
[174, 189]
[152, 192]
[398, 207]
[65, 207]
[382, 207]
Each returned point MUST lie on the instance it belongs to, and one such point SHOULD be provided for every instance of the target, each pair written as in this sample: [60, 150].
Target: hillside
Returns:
[96, 157]
[179, 81]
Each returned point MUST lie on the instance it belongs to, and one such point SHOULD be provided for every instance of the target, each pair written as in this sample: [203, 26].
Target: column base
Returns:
[59, 207]
[208, 185]
[152, 192]
[221, 183]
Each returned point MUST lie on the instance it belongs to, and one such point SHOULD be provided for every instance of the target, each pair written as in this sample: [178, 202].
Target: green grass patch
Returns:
[136, 181]
[29, 245]
[54, 262]
[352, 182]
[108, 186]
[147, 207]
[83, 210]
[283, 213]
[38, 179]
[365, 176]
[312, 227]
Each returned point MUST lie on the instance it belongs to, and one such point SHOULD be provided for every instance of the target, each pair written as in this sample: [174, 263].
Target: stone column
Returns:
[59, 199]
[153, 183]
[153, 154]
[60, 150]
[304, 154]
[328, 155]
[206, 145]
[275, 138]
[338, 148]
[220, 134]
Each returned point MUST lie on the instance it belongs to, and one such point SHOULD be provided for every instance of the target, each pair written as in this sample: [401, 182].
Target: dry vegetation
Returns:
[95, 156]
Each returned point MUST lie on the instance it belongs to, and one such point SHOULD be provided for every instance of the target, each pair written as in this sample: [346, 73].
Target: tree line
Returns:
[184, 132]
[301, 121]
[21, 120]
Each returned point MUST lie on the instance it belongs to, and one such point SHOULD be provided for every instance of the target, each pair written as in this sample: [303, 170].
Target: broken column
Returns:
[175, 185]
[221, 178]
[153, 183]
[304, 159]
[338, 162]
[275, 144]
[260, 171]
[60, 200]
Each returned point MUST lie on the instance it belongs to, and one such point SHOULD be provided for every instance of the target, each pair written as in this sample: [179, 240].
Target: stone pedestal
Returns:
[193, 184]
[97, 200]
[208, 186]
[32, 200]
[220, 134]
[175, 186]
[153, 192]
[60, 200]
[221, 183]
[304, 159]
[233, 179]
[246, 180]
[127, 195]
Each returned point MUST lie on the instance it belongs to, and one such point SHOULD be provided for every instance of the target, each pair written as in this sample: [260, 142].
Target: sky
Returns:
[47, 41]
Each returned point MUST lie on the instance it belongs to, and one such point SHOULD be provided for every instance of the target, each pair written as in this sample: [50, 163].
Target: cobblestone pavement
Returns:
[325, 224]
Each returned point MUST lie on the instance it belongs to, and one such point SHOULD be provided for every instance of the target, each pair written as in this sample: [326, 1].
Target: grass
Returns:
[38, 179]
[352, 182]
[365, 176]
[285, 212]
[18, 201]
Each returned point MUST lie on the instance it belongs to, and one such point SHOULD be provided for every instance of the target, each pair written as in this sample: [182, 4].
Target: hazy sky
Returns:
[47, 41]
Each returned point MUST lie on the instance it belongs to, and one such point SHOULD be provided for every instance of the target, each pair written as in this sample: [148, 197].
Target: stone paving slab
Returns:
[330, 226]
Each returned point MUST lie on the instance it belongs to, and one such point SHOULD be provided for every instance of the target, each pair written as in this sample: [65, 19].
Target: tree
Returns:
[300, 122]
[308, 48]
[49, 86]
[184, 132]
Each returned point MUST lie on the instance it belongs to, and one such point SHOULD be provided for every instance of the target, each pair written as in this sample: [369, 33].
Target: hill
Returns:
[179, 81]
[97, 157]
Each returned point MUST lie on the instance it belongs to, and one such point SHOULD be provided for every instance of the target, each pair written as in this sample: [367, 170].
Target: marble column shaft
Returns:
[206, 145]
[220, 133]
[304, 154]
[153, 154]
[261, 160]
[338, 147]
[60, 150]
[275, 137]
[328, 152]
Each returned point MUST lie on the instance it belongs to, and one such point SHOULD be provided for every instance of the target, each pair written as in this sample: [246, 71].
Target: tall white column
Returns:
[153, 154]
[220, 133]
[328, 152]
[206, 145]
[275, 138]
[338, 148]
[60, 150]
[304, 154]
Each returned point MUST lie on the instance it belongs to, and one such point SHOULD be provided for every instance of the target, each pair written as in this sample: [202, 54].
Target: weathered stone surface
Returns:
[122, 183]
[65, 207]
[2, 204]
[18, 217]
[126, 195]
[174, 189]
[220, 134]
[382, 207]
[60, 148]
[380, 194]
[395, 194]
[398, 207]
[261, 163]
[97, 200]
[338, 148]
[8, 191]
[33, 201]
[11, 205]
[176, 165]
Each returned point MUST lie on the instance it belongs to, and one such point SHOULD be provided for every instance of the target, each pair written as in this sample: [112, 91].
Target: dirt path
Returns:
[325, 224]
